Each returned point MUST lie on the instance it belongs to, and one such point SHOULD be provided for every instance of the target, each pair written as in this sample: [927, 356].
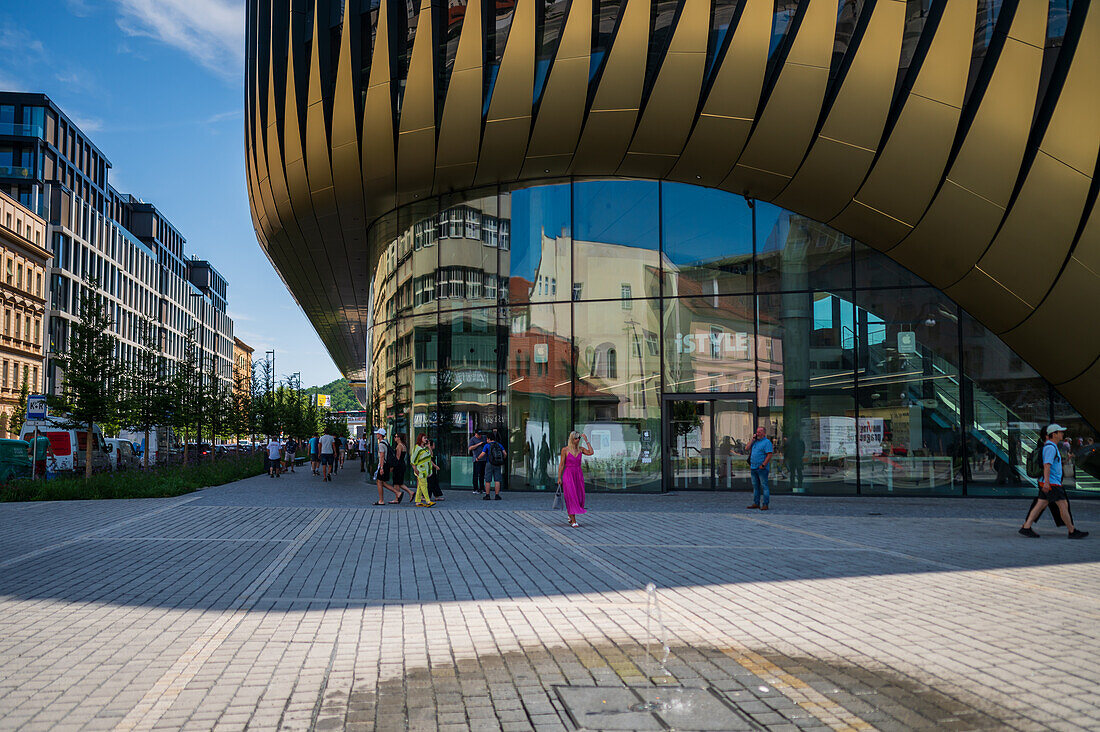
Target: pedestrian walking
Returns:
[362, 453]
[342, 452]
[1050, 486]
[760, 458]
[401, 461]
[327, 445]
[493, 456]
[289, 450]
[474, 446]
[571, 475]
[315, 453]
[434, 491]
[335, 453]
[422, 466]
[385, 467]
[274, 453]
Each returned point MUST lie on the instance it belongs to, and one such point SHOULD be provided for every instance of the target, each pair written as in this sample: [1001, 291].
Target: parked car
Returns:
[15, 460]
[123, 454]
[68, 445]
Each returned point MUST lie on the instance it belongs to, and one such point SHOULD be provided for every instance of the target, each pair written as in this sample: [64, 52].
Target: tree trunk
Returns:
[88, 452]
[145, 451]
[185, 447]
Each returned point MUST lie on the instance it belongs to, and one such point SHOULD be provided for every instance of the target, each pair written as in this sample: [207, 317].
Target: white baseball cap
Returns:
[381, 432]
[1051, 429]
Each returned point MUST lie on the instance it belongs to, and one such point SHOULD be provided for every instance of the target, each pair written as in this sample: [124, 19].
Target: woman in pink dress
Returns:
[571, 477]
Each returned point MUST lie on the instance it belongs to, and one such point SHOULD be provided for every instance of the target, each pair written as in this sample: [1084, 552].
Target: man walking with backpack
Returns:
[475, 445]
[493, 456]
[385, 466]
[1050, 486]
[290, 448]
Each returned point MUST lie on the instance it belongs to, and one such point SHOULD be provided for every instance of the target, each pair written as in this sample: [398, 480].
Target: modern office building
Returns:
[127, 245]
[23, 268]
[869, 227]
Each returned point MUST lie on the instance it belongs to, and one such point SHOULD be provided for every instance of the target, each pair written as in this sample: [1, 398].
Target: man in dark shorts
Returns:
[382, 472]
[328, 455]
[1050, 486]
[474, 447]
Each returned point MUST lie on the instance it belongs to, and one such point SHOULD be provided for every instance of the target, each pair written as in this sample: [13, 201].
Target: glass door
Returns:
[707, 442]
[687, 429]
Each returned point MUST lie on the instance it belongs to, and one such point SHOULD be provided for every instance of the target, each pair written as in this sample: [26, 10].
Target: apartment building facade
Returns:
[23, 267]
[125, 244]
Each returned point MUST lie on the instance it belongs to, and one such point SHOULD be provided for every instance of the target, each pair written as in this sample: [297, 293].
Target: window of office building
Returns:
[616, 236]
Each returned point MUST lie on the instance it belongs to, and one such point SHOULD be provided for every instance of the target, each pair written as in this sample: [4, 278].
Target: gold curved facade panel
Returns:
[460, 128]
[508, 123]
[786, 125]
[971, 163]
[845, 147]
[610, 122]
[980, 182]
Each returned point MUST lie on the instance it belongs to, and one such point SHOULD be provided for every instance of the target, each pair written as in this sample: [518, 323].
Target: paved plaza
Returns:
[293, 604]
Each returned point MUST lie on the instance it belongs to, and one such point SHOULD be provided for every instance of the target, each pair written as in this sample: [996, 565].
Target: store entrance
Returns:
[706, 439]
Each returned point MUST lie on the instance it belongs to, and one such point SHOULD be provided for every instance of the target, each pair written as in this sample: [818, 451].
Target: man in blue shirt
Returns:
[760, 458]
[1050, 486]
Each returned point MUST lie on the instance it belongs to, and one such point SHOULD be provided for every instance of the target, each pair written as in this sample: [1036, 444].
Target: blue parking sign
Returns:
[36, 408]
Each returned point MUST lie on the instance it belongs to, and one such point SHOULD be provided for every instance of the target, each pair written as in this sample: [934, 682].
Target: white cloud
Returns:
[211, 31]
[91, 124]
[79, 8]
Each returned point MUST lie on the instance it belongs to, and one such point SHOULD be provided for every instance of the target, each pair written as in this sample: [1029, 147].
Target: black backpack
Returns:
[391, 456]
[1034, 465]
[496, 454]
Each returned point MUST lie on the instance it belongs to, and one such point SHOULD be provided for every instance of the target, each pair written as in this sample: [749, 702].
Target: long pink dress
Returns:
[572, 484]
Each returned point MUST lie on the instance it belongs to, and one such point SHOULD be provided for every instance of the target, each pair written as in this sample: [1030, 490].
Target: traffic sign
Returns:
[36, 408]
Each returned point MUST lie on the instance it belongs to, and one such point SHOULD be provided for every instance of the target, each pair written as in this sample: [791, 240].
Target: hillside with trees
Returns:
[343, 396]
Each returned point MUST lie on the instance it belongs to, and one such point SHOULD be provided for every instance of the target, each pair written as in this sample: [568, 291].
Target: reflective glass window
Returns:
[539, 389]
[615, 238]
[1007, 403]
[708, 344]
[797, 253]
[706, 241]
[910, 439]
[468, 272]
[617, 394]
[1080, 461]
[472, 344]
[806, 348]
[540, 242]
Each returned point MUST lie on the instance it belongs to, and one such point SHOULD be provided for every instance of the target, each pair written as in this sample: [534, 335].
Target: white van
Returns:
[123, 454]
[68, 446]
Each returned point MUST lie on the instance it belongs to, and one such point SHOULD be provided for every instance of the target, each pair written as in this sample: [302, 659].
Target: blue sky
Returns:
[158, 86]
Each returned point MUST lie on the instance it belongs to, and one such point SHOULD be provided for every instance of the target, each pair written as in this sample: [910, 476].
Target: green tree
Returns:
[184, 412]
[146, 405]
[90, 392]
[19, 413]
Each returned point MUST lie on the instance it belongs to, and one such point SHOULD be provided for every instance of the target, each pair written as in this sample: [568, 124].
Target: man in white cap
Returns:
[382, 472]
[1050, 487]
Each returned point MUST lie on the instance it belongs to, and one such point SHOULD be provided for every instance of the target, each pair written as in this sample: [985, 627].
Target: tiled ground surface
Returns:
[295, 604]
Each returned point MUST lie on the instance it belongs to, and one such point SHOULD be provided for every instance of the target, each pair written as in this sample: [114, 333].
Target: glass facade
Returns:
[667, 321]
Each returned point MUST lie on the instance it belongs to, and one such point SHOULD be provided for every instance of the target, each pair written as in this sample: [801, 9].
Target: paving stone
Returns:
[296, 604]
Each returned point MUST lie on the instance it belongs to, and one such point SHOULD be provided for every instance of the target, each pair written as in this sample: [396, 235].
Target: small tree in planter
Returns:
[90, 392]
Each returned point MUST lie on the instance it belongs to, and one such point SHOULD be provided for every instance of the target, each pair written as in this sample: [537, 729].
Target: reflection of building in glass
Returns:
[567, 234]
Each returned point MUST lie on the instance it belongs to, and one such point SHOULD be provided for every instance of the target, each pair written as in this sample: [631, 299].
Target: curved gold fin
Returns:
[723, 126]
[460, 127]
[610, 123]
[416, 129]
[378, 144]
[557, 129]
[912, 159]
[964, 216]
[670, 109]
[318, 165]
[508, 123]
[347, 174]
[786, 127]
[843, 151]
[1035, 237]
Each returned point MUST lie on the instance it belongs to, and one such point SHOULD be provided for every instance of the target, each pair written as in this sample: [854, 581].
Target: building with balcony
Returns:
[866, 227]
[125, 244]
[24, 263]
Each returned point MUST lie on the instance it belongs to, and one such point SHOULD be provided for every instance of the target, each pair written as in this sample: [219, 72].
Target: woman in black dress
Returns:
[434, 491]
[401, 454]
